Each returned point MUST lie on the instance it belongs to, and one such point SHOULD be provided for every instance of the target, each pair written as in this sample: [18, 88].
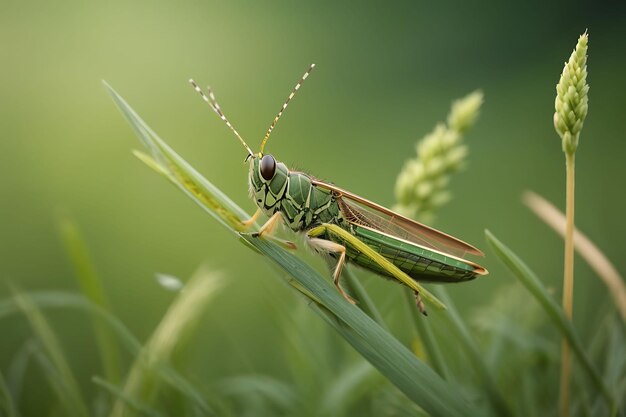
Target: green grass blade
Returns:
[7, 407]
[420, 383]
[554, 311]
[72, 398]
[91, 286]
[116, 392]
[59, 386]
[179, 321]
[427, 338]
[364, 301]
[57, 299]
[280, 395]
[16, 372]
[463, 335]
[167, 162]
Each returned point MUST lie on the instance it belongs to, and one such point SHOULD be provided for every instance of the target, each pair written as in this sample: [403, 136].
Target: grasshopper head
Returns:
[264, 169]
[267, 177]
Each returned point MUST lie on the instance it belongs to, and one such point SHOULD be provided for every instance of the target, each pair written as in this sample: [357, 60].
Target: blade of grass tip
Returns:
[154, 165]
[365, 302]
[186, 178]
[426, 337]
[52, 347]
[91, 286]
[536, 288]
[463, 335]
[585, 247]
[177, 324]
[414, 378]
[7, 406]
[118, 394]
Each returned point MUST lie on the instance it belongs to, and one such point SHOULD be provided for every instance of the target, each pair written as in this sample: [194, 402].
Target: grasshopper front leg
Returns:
[247, 223]
[267, 229]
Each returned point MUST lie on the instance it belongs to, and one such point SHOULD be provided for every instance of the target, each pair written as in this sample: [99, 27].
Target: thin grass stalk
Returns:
[52, 353]
[571, 107]
[91, 286]
[534, 285]
[426, 336]
[142, 383]
[364, 301]
[458, 326]
[568, 286]
[584, 247]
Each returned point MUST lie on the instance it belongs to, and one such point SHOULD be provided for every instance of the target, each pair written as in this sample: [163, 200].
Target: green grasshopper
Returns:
[347, 226]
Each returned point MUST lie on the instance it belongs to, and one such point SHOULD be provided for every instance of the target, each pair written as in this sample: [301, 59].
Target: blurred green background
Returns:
[386, 73]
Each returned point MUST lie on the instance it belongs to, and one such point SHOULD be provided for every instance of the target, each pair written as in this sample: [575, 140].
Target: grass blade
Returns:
[181, 317]
[426, 337]
[365, 302]
[132, 403]
[463, 335]
[7, 407]
[72, 396]
[536, 288]
[167, 162]
[57, 299]
[280, 395]
[91, 286]
[420, 383]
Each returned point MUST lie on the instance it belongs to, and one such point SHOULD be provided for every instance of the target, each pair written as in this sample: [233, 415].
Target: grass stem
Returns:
[568, 284]
[594, 257]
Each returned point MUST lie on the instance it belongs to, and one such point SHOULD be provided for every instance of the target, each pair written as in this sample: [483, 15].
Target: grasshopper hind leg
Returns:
[329, 247]
[349, 241]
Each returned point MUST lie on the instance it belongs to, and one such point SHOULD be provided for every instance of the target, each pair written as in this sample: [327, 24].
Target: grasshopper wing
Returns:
[370, 214]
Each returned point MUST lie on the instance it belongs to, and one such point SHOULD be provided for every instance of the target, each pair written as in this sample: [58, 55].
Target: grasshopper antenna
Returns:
[282, 109]
[217, 109]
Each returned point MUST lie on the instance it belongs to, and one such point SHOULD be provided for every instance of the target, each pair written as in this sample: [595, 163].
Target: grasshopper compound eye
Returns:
[268, 167]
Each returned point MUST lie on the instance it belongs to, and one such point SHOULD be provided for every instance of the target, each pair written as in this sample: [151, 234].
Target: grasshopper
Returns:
[347, 226]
